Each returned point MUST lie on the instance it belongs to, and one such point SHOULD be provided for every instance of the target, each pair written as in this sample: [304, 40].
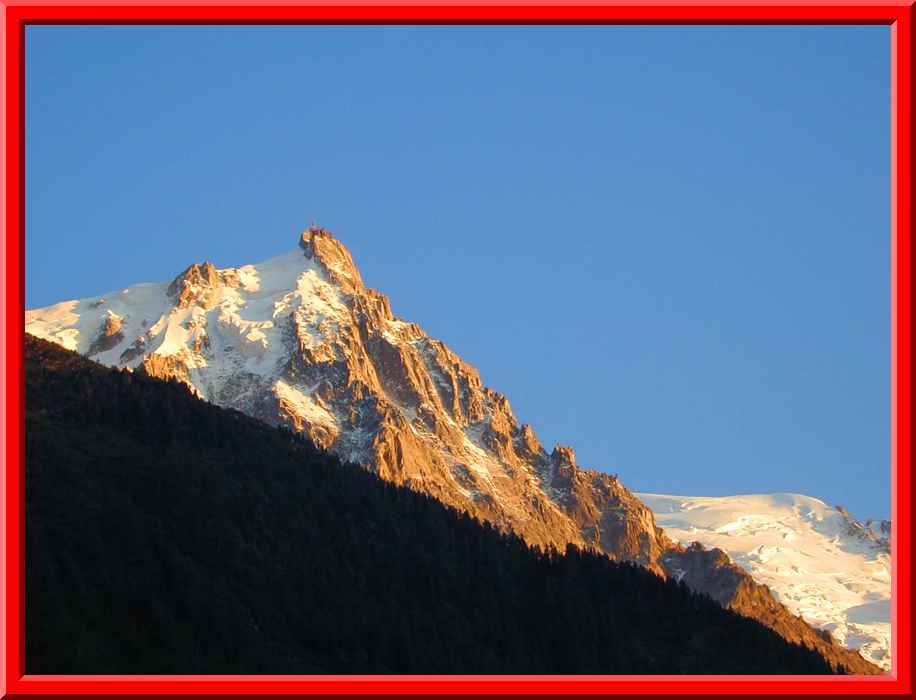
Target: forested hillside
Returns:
[166, 535]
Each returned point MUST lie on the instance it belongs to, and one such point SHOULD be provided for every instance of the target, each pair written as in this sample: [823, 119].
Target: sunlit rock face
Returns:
[300, 341]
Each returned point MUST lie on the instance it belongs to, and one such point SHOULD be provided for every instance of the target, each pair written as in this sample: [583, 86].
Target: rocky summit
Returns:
[300, 341]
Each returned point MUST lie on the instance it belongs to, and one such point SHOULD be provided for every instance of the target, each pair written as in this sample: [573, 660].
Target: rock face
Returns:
[300, 341]
[109, 334]
[874, 532]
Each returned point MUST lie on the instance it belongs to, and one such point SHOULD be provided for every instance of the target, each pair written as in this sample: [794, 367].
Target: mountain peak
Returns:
[311, 233]
[194, 284]
[300, 341]
[319, 245]
[563, 454]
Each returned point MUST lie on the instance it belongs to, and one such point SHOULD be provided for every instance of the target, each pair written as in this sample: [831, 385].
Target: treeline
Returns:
[166, 535]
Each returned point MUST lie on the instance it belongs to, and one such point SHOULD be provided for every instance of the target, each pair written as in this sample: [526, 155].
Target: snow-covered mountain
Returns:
[300, 341]
[819, 561]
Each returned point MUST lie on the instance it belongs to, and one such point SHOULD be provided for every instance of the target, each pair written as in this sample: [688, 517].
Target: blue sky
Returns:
[668, 246]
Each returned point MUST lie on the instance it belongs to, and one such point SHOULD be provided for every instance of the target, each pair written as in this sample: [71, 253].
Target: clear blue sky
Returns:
[668, 246]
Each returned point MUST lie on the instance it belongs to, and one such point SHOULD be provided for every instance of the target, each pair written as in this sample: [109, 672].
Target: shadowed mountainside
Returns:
[167, 535]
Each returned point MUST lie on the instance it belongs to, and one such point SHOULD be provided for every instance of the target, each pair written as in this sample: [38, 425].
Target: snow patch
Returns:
[305, 405]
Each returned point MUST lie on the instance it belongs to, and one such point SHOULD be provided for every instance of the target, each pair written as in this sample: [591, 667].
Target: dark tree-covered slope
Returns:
[166, 535]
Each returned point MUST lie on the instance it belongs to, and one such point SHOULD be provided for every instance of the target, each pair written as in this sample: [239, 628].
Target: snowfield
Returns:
[820, 563]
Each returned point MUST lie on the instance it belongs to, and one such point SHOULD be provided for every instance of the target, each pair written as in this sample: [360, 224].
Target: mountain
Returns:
[818, 560]
[300, 341]
[168, 535]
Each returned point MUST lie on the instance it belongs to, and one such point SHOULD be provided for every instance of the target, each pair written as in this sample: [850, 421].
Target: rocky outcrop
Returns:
[109, 335]
[166, 367]
[319, 244]
[324, 355]
[200, 284]
[875, 533]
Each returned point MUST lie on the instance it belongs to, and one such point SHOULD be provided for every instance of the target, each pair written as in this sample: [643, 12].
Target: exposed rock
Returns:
[200, 285]
[878, 535]
[109, 335]
[528, 446]
[563, 461]
[168, 367]
[137, 349]
[320, 245]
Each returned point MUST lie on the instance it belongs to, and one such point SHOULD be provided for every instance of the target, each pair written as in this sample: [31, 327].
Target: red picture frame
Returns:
[17, 15]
